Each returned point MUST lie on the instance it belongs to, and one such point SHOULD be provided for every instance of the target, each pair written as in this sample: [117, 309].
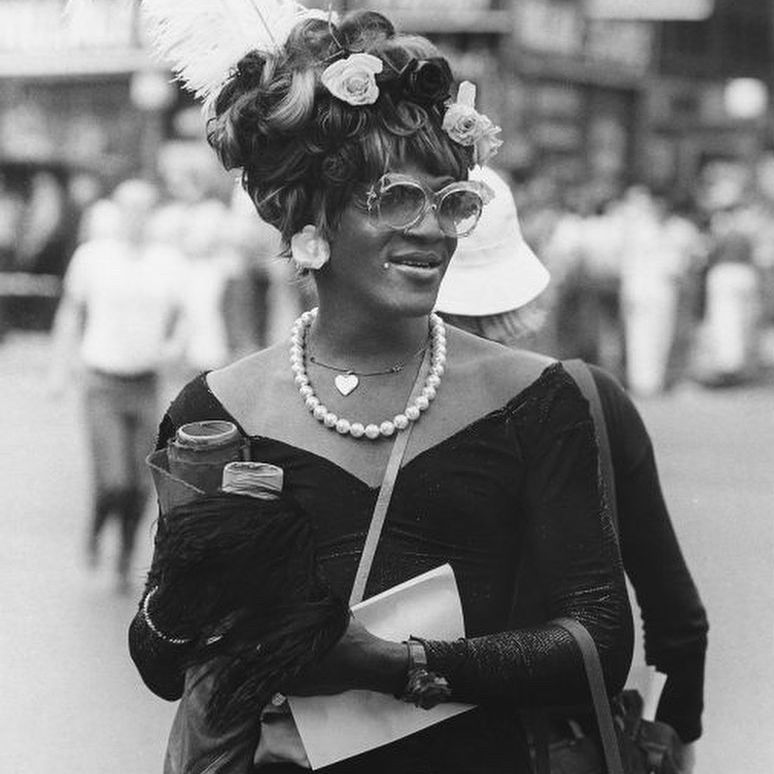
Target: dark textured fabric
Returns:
[674, 618]
[521, 479]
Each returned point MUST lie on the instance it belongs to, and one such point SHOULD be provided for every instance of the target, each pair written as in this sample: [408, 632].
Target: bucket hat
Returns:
[493, 270]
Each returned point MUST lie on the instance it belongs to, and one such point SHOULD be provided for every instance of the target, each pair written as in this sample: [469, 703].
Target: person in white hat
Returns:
[492, 276]
[494, 273]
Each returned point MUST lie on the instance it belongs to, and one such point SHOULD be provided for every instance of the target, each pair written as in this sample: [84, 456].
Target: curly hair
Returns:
[302, 151]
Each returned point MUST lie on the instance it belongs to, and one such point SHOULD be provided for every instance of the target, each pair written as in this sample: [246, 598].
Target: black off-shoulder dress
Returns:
[522, 478]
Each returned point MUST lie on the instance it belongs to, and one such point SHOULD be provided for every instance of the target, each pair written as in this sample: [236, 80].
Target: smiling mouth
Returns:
[417, 261]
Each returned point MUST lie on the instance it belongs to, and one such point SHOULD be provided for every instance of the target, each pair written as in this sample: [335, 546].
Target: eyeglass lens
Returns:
[402, 205]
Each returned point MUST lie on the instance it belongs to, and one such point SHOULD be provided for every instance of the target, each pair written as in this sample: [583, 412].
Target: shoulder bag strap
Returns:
[582, 375]
[598, 693]
[384, 497]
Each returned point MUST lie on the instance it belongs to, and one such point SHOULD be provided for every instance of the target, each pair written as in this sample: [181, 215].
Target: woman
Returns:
[673, 616]
[348, 146]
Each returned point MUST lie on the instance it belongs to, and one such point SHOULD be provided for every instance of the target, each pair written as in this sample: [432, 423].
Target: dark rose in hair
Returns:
[250, 69]
[427, 80]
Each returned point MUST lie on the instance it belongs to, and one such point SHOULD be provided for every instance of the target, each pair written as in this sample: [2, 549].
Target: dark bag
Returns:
[641, 746]
[645, 746]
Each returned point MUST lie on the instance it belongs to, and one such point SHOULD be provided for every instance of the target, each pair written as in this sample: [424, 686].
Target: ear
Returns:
[309, 249]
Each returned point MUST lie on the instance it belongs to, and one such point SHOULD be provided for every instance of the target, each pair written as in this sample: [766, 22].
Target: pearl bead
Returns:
[372, 432]
[387, 428]
[312, 402]
[433, 380]
[438, 369]
[306, 391]
[301, 380]
[422, 403]
[412, 412]
[330, 419]
[356, 430]
[400, 421]
[319, 412]
[429, 392]
[343, 426]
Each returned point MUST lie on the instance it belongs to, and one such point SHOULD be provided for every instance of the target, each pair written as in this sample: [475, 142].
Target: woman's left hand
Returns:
[359, 660]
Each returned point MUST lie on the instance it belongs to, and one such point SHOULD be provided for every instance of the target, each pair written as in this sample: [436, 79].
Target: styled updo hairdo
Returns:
[303, 151]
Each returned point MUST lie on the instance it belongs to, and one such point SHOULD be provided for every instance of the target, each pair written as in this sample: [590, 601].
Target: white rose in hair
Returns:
[309, 249]
[466, 126]
[353, 80]
[487, 144]
[463, 124]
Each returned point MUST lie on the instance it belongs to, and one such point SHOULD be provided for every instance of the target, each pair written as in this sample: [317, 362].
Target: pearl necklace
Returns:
[372, 431]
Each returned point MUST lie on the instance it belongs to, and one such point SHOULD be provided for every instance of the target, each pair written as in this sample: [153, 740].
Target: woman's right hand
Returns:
[359, 660]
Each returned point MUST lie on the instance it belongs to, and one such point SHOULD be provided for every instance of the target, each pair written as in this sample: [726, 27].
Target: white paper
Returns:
[333, 728]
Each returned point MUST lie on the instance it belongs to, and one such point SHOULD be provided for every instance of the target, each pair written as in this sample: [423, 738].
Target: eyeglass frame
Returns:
[433, 200]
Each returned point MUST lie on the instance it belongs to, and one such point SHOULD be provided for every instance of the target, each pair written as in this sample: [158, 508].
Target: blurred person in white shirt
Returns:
[733, 307]
[211, 265]
[116, 329]
[658, 249]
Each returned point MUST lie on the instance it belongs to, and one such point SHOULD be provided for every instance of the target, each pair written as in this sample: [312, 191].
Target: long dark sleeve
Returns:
[161, 664]
[572, 548]
[673, 617]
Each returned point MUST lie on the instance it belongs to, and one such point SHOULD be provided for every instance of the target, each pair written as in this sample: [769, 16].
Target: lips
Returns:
[417, 260]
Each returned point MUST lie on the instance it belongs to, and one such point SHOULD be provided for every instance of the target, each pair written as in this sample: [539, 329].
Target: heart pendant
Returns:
[346, 383]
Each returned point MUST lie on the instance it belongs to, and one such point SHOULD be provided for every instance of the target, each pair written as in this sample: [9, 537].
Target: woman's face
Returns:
[384, 269]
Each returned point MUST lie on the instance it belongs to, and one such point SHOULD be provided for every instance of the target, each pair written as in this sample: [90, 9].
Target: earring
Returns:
[386, 265]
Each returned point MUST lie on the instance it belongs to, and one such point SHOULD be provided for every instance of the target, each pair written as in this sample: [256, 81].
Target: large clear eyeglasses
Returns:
[399, 202]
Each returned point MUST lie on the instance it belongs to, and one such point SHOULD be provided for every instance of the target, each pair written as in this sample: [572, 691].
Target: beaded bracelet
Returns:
[152, 626]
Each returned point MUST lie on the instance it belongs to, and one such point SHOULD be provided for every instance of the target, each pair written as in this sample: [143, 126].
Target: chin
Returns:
[416, 305]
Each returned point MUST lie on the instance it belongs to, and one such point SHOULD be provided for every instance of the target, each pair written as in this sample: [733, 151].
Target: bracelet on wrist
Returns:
[149, 622]
[424, 688]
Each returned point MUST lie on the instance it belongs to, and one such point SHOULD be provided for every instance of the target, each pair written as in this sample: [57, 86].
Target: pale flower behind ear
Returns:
[309, 249]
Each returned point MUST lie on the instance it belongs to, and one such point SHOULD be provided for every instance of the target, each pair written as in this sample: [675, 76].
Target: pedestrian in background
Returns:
[732, 315]
[488, 284]
[210, 267]
[115, 329]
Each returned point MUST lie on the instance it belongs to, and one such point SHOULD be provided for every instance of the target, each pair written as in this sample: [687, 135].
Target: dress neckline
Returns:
[509, 407]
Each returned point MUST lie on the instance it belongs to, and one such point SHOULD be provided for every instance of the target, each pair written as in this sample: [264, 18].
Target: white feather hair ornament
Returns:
[202, 40]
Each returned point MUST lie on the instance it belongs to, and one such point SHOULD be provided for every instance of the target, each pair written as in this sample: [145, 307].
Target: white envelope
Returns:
[333, 728]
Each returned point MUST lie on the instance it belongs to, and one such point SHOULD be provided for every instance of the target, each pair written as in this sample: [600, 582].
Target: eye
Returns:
[461, 209]
[400, 204]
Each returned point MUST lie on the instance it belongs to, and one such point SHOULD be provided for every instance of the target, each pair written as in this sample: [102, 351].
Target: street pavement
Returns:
[72, 703]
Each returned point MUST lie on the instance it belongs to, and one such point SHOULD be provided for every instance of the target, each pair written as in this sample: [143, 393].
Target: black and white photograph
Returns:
[387, 386]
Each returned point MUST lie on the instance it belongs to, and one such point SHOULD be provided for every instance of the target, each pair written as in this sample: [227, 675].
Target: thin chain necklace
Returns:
[372, 431]
[348, 379]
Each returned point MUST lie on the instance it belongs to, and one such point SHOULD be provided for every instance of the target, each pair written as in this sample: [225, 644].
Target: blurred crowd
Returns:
[659, 289]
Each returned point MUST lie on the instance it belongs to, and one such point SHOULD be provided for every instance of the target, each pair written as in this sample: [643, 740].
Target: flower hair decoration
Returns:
[466, 126]
[309, 249]
[353, 79]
